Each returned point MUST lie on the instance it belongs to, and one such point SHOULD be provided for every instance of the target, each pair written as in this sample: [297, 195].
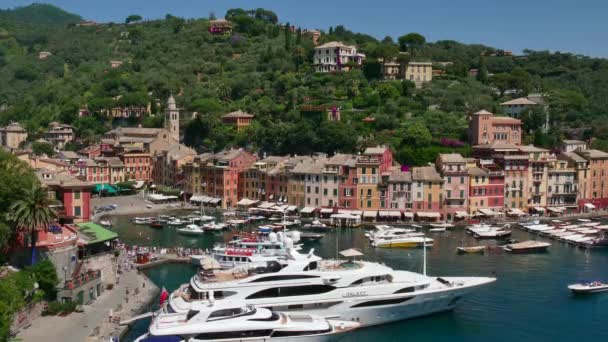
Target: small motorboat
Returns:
[470, 250]
[437, 230]
[191, 229]
[176, 222]
[589, 287]
[311, 236]
[106, 223]
[156, 224]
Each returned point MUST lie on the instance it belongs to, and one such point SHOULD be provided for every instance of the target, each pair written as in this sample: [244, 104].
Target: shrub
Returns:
[58, 308]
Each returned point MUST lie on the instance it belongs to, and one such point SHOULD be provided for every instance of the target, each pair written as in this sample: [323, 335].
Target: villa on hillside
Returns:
[336, 56]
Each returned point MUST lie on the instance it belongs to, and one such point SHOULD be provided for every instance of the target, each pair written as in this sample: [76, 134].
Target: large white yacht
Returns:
[365, 292]
[232, 322]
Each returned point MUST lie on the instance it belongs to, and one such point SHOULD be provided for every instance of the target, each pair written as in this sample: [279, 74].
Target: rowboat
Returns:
[473, 249]
[527, 247]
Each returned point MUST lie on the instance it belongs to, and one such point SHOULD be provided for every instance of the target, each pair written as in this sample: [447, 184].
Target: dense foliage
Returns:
[265, 69]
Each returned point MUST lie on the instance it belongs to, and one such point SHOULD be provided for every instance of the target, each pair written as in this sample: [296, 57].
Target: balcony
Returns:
[81, 280]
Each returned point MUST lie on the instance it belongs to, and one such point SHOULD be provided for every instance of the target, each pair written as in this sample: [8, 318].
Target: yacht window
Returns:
[283, 277]
[312, 266]
[191, 314]
[229, 313]
[300, 333]
[288, 291]
[220, 335]
[295, 307]
[382, 302]
[406, 290]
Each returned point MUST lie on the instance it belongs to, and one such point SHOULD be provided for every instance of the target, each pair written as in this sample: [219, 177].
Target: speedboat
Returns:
[141, 220]
[589, 287]
[316, 224]
[219, 321]
[212, 226]
[191, 229]
[366, 292]
[402, 241]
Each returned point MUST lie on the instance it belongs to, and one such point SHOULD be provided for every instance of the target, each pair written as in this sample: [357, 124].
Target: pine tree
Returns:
[287, 37]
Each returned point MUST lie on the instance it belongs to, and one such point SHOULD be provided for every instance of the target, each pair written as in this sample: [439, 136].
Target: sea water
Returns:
[528, 302]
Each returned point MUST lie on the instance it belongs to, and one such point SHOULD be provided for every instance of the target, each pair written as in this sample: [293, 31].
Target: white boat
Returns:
[142, 220]
[352, 290]
[484, 231]
[212, 226]
[590, 287]
[176, 222]
[527, 247]
[316, 224]
[219, 321]
[402, 241]
[191, 229]
[437, 230]
[444, 225]
[106, 223]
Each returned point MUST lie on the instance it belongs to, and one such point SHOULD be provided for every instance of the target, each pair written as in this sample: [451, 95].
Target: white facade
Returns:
[335, 56]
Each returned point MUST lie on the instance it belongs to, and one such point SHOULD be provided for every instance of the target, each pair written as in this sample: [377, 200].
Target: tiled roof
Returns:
[451, 158]
[426, 173]
[342, 159]
[180, 151]
[69, 155]
[593, 154]
[532, 149]
[573, 142]
[50, 178]
[519, 101]
[135, 130]
[374, 150]
[400, 176]
[228, 155]
[476, 171]
[505, 120]
[237, 114]
[482, 112]
[575, 157]
[313, 167]
[497, 146]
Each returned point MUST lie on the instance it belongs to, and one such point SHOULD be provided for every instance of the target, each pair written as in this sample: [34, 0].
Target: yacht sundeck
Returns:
[227, 322]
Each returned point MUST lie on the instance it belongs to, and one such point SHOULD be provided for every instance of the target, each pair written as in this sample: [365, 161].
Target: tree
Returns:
[411, 41]
[32, 211]
[287, 37]
[133, 18]
[418, 135]
[42, 148]
[482, 74]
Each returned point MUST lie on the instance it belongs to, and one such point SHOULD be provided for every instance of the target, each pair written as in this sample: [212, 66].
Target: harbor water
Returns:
[529, 301]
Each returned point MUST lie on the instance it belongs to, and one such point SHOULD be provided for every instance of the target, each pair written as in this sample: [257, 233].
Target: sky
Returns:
[557, 25]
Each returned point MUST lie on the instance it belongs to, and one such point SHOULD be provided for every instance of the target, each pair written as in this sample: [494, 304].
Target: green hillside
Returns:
[42, 14]
[264, 70]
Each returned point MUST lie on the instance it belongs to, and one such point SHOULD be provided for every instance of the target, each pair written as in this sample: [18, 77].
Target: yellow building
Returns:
[12, 135]
[419, 72]
[368, 178]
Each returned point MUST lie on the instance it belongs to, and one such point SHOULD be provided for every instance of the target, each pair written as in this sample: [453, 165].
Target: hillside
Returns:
[263, 69]
[41, 14]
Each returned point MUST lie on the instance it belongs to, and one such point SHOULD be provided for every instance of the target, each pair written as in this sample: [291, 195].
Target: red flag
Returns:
[164, 295]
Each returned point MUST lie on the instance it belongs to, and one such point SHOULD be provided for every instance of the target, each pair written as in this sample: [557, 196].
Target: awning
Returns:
[408, 214]
[462, 214]
[245, 202]
[327, 210]
[539, 209]
[215, 200]
[266, 205]
[342, 211]
[369, 213]
[516, 212]
[487, 212]
[356, 212]
[383, 214]
[196, 198]
[307, 210]
[395, 213]
[589, 206]
[281, 208]
[554, 209]
[428, 214]
[94, 233]
[292, 208]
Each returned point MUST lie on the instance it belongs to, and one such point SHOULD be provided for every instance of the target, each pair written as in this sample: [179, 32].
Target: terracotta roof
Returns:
[593, 154]
[519, 101]
[50, 178]
[482, 112]
[426, 173]
[313, 167]
[228, 155]
[476, 171]
[180, 151]
[135, 130]
[451, 158]
[505, 120]
[400, 176]
[237, 114]
[69, 155]
[531, 149]
[575, 157]
[343, 159]
[375, 150]
[497, 146]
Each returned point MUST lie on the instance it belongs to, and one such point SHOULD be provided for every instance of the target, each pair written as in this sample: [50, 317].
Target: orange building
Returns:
[485, 128]
[239, 119]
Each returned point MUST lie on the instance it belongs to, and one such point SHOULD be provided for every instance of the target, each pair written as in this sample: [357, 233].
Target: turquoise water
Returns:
[529, 302]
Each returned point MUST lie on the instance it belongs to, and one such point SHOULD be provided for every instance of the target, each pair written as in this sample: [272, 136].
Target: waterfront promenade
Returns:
[93, 324]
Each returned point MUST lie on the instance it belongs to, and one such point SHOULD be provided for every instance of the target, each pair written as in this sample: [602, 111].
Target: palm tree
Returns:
[32, 211]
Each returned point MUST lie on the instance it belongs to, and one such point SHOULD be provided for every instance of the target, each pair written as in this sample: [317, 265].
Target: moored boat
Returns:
[529, 246]
[191, 229]
[472, 249]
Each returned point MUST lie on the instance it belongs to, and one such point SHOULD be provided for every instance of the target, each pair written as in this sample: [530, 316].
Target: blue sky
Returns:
[556, 25]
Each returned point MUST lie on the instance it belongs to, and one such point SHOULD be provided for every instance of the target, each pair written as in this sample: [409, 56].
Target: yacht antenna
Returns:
[424, 255]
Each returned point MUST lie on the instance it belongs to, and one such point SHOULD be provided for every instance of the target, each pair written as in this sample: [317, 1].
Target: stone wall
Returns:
[105, 263]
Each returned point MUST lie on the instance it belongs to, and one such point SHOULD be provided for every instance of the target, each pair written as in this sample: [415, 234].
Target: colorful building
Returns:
[336, 56]
[400, 189]
[73, 194]
[453, 169]
[427, 192]
[596, 182]
[485, 128]
[238, 119]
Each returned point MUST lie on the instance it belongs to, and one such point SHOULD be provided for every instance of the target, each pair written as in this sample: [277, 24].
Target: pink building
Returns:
[385, 156]
[453, 170]
[347, 173]
[485, 128]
